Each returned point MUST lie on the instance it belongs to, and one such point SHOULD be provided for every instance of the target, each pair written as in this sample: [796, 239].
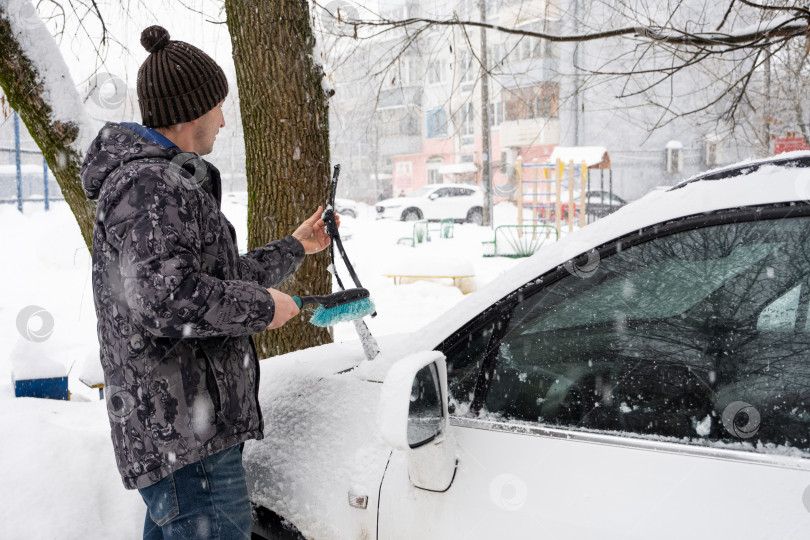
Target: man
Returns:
[176, 304]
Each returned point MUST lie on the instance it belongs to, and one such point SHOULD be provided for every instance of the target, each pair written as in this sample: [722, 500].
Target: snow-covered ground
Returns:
[59, 478]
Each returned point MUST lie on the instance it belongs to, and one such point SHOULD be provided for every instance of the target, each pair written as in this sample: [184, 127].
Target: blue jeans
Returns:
[207, 499]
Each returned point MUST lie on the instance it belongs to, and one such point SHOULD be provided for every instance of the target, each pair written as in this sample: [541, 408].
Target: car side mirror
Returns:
[433, 196]
[412, 417]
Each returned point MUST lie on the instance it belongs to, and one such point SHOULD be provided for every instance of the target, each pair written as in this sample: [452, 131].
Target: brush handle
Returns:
[335, 299]
[301, 301]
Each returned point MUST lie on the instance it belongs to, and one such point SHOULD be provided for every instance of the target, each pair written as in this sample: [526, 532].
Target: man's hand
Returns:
[286, 308]
[312, 233]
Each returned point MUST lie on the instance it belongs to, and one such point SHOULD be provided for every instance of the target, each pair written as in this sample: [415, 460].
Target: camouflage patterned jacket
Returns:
[176, 305]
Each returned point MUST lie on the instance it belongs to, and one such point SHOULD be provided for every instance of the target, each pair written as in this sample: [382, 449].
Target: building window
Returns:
[467, 119]
[495, 114]
[520, 48]
[468, 9]
[410, 125]
[495, 54]
[437, 72]
[713, 153]
[398, 121]
[465, 65]
[538, 101]
[674, 157]
[409, 71]
[526, 48]
[436, 123]
[433, 175]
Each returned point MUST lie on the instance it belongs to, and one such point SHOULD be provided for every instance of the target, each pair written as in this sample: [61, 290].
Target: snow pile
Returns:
[26, 364]
[59, 473]
[430, 260]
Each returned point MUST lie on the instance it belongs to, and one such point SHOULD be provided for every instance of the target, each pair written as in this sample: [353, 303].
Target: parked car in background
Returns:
[646, 377]
[598, 203]
[346, 207]
[461, 202]
[601, 203]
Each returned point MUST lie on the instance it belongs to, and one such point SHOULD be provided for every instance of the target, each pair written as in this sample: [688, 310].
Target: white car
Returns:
[460, 202]
[346, 207]
[647, 376]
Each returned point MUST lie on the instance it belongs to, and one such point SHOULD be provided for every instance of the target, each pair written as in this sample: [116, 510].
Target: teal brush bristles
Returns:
[339, 306]
[346, 312]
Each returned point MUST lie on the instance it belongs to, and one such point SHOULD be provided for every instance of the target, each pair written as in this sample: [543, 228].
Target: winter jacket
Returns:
[176, 305]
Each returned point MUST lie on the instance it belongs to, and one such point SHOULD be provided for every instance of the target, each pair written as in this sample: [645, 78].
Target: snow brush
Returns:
[370, 347]
[348, 305]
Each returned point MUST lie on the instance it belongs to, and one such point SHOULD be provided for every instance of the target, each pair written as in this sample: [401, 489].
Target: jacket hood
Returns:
[114, 146]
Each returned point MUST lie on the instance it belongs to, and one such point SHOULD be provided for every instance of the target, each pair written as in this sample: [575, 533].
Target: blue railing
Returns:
[18, 152]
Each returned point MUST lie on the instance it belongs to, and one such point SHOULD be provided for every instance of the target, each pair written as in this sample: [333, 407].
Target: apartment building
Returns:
[425, 114]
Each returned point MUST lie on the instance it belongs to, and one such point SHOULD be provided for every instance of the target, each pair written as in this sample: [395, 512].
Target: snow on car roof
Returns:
[775, 180]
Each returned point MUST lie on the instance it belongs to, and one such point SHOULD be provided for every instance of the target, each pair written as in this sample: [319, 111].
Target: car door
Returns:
[658, 387]
[464, 200]
[439, 203]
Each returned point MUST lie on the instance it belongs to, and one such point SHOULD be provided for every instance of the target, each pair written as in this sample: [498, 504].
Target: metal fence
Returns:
[24, 175]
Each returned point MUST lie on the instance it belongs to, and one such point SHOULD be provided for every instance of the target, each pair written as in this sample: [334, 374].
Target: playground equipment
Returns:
[541, 190]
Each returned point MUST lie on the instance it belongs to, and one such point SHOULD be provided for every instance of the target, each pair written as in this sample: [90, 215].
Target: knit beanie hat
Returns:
[177, 82]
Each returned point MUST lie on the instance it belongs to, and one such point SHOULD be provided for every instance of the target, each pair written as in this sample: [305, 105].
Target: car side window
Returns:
[699, 336]
[444, 192]
[465, 357]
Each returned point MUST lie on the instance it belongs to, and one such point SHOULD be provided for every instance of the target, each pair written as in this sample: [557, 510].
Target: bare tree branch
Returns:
[794, 27]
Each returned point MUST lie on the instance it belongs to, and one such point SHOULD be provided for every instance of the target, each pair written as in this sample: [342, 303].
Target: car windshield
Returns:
[639, 295]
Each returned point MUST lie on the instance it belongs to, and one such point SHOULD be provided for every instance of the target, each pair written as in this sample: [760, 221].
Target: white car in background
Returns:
[346, 207]
[644, 377]
[460, 202]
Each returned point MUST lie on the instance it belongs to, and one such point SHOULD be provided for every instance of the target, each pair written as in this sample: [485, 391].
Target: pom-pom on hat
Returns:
[177, 82]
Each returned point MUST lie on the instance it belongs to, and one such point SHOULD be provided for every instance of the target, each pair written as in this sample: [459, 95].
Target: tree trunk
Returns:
[21, 83]
[285, 119]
